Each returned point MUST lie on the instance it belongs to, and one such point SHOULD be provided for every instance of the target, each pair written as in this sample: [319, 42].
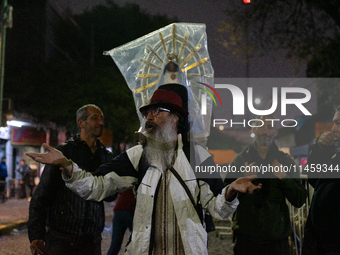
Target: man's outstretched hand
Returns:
[243, 185]
[52, 157]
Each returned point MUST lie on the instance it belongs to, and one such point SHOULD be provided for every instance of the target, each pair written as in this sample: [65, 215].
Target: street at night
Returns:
[212, 127]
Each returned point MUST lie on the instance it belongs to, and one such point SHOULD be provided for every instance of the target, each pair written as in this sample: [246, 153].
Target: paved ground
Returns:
[13, 233]
[14, 240]
[13, 213]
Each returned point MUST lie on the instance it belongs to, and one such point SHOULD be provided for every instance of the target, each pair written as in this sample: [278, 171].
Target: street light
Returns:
[17, 123]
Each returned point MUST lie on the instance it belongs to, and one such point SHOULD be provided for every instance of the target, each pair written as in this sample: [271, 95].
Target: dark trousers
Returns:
[120, 222]
[29, 190]
[245, 246]
[21, 190]
[67, 244]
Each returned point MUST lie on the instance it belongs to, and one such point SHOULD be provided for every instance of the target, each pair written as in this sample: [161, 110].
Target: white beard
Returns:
[161, 144]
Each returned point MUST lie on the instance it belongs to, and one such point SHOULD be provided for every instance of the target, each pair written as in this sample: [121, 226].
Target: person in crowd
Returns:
[20, 175]
[74, 224]
[261, 223]
[166, 216]
[29, 181]
[121, 148]
[122, 219]
[322, 230]
[122, 214]
[3, 175]
[3, 169]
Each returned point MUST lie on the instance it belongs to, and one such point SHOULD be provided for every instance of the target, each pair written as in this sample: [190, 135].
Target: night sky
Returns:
[210, 12]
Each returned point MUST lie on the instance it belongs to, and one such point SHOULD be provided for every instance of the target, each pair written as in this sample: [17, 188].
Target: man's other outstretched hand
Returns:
[243, 185]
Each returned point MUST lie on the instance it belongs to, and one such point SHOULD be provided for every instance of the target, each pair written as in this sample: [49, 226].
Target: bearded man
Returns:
[166, 219]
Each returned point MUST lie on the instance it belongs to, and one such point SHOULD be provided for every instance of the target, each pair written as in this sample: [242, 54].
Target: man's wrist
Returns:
[65, 163]
[230, 194]
[67, 167]
[68, 170]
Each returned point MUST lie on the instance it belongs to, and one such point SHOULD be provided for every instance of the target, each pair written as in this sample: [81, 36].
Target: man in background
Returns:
[3, 175]
[3, 169]
[322, 230]
[20, 178]
[261, 222]
[74, 224]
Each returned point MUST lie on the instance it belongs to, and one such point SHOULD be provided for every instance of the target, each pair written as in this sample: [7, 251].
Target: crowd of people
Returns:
[161, 200]
[163, 205]
[25, 180]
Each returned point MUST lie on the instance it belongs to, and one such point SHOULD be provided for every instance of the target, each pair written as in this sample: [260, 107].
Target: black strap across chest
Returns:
[197, 208]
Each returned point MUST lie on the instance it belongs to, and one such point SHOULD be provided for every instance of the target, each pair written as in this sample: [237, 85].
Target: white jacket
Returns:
[194, 236]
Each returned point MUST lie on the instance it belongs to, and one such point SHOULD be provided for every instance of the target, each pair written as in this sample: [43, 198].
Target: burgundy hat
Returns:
[167, 99]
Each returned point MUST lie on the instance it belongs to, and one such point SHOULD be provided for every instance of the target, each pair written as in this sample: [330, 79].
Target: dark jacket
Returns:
[24, 171]
[29, 176]
[264, 216]
[3, 171]
[322, 230]
[55, 206]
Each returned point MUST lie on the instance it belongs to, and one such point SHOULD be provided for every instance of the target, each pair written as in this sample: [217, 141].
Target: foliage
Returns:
[307, 29]
[325, 64]
[77, 73]
[84, 37]
[302, 27]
